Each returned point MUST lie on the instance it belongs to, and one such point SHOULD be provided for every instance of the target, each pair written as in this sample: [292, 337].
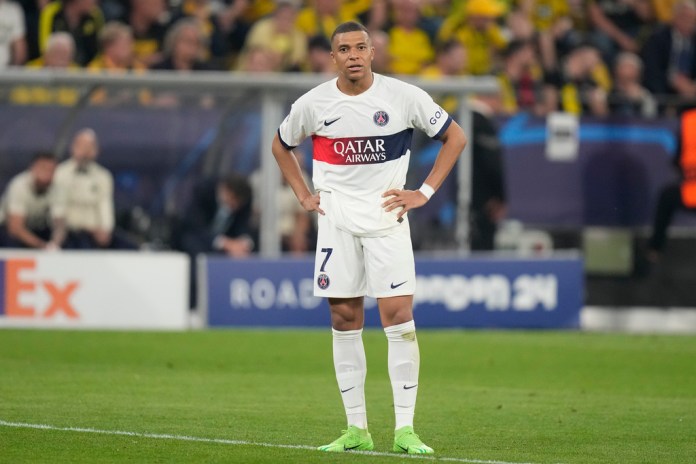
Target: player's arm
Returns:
[453, 143]
[293, 175]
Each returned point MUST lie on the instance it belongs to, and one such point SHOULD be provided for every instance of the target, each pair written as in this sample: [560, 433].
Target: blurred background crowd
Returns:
[103, 165]
[598, 57]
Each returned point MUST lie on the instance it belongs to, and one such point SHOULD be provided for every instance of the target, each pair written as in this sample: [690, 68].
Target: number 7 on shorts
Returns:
[328, 252]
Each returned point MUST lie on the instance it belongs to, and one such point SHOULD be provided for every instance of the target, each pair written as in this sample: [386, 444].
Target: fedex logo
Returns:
[22, 294]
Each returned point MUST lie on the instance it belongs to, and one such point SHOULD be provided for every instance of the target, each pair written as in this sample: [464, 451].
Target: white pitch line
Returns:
[224, 441]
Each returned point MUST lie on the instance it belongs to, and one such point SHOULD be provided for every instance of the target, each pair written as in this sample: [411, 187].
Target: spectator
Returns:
[543, 22]
[13, 44]
[520, 26]
[117, 55]
[219, 218]
[116, 47]
[584, 82]
[234, 22]
[663, 10]
[522, 82]
[216, 23]
[32, 10]
[319, 60]
[149, 21]
[184, 48]
[87, 191]
[278, 35]
[628, 97]
[450, 60]
[409, 45]
[618, 25]
[81, 18]
[476, 28]
[31, 215]
[670, 55]
[59, 54]
[257, 60]
[381, 63]
[374, 14]
[257, 9]
[322, 17]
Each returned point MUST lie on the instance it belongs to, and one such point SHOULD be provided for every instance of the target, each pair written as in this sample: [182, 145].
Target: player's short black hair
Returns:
[349, 26]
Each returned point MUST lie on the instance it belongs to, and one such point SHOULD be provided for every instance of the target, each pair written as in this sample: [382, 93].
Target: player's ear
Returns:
[333, 58]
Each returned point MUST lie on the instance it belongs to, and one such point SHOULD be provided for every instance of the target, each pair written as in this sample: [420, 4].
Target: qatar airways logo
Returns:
[361, 150]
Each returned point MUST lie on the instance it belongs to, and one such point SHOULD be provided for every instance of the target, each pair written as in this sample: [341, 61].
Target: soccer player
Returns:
[361, 125]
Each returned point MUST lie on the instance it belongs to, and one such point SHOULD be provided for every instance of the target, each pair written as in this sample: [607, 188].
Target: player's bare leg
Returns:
[404, 363]
[347, 318]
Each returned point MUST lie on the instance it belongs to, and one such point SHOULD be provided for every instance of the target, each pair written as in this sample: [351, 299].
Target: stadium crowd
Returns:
[598, 58]
[592, 57]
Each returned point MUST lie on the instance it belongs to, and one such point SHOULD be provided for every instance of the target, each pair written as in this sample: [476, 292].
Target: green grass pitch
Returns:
[511, 397]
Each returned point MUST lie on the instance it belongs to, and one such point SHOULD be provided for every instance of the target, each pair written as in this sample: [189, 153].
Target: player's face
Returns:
[352, 53]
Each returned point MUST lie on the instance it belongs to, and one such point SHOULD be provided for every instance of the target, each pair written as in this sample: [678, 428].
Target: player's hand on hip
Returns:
[311, 203]
[404, 199]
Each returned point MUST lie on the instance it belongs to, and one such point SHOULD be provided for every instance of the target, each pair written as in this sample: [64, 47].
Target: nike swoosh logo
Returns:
[352, 447]
[348, 389]
[398, 285]
[405, 449]
[412, 386]
[328, 123]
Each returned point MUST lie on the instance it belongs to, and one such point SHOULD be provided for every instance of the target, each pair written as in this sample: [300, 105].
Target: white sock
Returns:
[351, 369]
[404, 362]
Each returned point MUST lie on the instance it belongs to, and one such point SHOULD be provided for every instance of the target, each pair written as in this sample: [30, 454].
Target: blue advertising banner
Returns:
[476, 292]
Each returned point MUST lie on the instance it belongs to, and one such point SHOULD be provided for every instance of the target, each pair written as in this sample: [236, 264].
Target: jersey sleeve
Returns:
[427, 115]
[296, 126]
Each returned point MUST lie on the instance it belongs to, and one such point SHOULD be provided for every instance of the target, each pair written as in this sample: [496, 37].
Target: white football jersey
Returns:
[361, 146]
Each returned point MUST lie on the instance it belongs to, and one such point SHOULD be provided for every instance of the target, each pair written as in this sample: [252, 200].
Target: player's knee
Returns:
[397, 316]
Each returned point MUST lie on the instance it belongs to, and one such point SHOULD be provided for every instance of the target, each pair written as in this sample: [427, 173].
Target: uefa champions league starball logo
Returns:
[323, 281]
[381, 118]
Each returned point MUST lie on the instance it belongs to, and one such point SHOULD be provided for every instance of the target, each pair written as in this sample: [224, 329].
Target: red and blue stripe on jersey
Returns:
[362, 150]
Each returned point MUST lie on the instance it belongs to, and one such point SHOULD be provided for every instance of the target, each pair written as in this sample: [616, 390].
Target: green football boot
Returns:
[353, 439]
[406, 441]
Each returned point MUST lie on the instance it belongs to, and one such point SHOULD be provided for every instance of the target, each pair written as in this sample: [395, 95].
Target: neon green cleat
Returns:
[353, 439]
[406, 441]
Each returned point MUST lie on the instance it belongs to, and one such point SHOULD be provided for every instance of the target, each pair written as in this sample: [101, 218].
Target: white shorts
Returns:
[348, 266]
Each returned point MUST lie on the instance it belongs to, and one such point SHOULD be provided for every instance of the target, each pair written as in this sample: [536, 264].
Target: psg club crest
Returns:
[381, 118]
[323, 281]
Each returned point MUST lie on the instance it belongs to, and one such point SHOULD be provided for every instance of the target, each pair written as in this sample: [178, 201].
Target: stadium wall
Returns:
[475, 292]
[94, 290]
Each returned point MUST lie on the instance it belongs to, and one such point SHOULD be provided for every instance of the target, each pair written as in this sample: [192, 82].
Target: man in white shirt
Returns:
[88, 194]
[361, 124]
[31, 214]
